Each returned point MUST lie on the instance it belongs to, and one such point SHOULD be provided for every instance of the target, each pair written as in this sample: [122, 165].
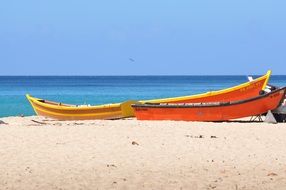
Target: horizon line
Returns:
[131, 75]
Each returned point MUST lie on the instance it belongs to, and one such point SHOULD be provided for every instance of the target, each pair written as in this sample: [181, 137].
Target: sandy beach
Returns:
[40, 153]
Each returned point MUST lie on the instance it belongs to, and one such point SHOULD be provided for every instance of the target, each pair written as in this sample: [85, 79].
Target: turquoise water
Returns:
[106, 89]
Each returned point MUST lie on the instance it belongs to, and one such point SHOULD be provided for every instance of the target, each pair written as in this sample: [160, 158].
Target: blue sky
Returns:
[142, 37]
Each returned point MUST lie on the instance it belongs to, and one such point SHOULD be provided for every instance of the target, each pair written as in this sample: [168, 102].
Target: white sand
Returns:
[130, 154]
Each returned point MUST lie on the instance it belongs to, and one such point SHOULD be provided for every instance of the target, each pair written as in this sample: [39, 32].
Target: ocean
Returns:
[106, 89]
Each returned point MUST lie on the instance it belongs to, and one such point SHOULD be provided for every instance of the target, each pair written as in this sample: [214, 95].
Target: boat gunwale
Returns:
[37, 101]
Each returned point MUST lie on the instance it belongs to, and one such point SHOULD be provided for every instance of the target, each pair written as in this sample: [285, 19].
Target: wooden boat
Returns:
[72, 112]
[121, 110]
[240, 92]
[212, 111]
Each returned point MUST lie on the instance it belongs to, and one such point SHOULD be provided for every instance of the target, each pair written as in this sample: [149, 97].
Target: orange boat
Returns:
[212, 111]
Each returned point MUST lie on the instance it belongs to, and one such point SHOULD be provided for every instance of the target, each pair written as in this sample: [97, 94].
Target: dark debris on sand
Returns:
[3, 123]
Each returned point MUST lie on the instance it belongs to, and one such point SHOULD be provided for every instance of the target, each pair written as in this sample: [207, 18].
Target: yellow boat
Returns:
[240, 92]
[123, 110]
[73, 112]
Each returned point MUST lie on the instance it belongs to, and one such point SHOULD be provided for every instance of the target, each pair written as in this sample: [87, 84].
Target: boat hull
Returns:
[68, 112]
[211, 111]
